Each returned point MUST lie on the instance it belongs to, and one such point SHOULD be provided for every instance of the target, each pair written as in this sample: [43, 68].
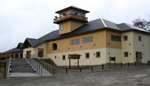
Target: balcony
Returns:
[70, 16]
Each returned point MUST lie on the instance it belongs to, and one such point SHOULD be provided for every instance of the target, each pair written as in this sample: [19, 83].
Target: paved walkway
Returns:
[127, 76]
[23, 75]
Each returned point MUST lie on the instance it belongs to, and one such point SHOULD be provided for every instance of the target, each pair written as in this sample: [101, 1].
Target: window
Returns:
[55, 57]
[40, 52]
[82, 14]
[115, 38]
[79, 14]
[63, 57]
[125, 38]
[125, 54]
[87, 39]
[76, 41]
[140, 39]
[67, 13]
[73, 12]
[62, 15]
[87, 55]
[97, 54]
[54, 46]
[61, 27]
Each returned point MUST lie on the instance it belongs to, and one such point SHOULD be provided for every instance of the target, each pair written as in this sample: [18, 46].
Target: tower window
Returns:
[79, 14]
[73, 12]
[61, 27]
[54, 46]
[82, 14]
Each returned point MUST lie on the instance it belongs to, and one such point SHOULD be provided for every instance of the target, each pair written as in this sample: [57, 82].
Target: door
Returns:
[16, 55]
[28, 54]
[138, 54]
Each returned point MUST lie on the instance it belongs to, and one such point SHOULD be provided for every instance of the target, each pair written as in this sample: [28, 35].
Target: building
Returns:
[95, 41]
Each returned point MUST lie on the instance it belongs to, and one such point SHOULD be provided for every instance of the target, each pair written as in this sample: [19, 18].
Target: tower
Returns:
[70, 19]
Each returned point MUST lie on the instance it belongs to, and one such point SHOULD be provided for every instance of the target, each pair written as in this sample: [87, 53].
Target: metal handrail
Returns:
[9, 66]
[35, 65]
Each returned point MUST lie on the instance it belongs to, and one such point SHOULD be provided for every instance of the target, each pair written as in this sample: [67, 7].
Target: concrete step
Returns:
[19, 65]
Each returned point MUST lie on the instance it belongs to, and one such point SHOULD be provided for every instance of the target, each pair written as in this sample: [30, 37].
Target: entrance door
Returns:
[16, 55]
[138, 54]
[28, 54]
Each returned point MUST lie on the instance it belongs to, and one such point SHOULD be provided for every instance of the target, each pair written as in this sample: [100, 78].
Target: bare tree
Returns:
[142, 23]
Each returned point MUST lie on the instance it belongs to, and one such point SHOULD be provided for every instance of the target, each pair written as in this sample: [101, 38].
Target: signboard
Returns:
[140, 57]
[73, 56]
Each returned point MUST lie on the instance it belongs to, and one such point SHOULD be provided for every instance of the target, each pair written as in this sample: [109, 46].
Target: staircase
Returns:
[19, 65]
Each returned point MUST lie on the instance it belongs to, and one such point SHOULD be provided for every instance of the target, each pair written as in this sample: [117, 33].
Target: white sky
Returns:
[20, 19]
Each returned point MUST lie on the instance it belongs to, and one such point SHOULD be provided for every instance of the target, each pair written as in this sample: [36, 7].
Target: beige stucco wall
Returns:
[42, 46]
[138, 45]
[113, 53]
[83, 61]
[28, 49]
[127, 46]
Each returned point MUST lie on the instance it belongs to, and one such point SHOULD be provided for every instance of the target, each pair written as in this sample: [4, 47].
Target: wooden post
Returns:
[109, 63]
[128, 64]
[140, 62]
[135, 63]
[78, 62]
[115, 63]
[80, 69]
[66, 70]
[91, 68]
[5, 69]
[121, 64]
[69, 63]
[148, 63]
[102, 66]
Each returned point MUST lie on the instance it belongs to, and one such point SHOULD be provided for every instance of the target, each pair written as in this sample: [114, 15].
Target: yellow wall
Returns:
[66, 27]
[75, 25]
[63, 44]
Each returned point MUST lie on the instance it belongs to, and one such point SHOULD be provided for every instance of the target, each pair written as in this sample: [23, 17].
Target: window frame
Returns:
[61, 27]
[52, 47]
[139, 38]
[115, 39]
[125, 53]
[87, 37]
[86, 55]
[63, 57]
[42, 52]
[99, 54]
[124, 38]
[73, 40]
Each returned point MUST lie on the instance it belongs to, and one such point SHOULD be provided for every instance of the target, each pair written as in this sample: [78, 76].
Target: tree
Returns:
[142, 23]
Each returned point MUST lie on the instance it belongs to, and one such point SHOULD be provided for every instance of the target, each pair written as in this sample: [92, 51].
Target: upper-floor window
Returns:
[87, 39]
[79, 14]
[73, 12]
[76, 41]
[67, 13]
[40, 52]
[82, 14]
[140, 39]
[115, 38]
[61, 27]
[125, 38]
[54, 46]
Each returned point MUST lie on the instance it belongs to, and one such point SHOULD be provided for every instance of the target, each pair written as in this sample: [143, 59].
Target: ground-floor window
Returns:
[63, 57]
[87, 55]
[125, 54]
[97, 54]
[40, 52]
[54, 46]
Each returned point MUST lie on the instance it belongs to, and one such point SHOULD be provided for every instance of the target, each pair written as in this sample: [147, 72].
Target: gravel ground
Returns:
[126, 76]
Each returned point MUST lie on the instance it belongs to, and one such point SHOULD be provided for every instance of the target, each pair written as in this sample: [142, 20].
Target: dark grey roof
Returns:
[90, 26]
[13, 50]
[19, 45]
[32, 41]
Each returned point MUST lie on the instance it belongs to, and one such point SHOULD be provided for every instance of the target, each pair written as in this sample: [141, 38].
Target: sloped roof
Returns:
[13, 50]
[32, 41]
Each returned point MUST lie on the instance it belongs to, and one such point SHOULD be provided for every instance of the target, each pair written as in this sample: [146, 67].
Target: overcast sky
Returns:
[21, 19]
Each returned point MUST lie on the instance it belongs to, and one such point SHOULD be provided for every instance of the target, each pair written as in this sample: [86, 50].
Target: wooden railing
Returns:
[56, 19]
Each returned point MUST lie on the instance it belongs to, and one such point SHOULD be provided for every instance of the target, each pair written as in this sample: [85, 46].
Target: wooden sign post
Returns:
[73, 56]
[112, 59]
[3, 64]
